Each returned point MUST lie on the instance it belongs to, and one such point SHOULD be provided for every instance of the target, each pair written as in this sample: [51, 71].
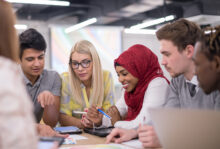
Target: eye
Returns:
[74, 63]
[166, 54]
[124, 73]
[30, 59]
[41, 57]
[86, 61]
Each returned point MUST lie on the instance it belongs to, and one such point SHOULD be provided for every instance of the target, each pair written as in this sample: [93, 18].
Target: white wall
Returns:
[146, 39]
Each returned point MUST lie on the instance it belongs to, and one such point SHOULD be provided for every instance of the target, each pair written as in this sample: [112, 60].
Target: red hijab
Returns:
[143, 64]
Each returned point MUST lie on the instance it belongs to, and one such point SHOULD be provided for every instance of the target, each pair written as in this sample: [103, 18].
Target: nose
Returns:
[164, 61]
[37, 62]
[120, 78]
[80, 68]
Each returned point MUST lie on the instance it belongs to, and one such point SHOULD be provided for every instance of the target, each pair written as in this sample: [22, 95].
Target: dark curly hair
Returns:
[31, 38]
[210, 40]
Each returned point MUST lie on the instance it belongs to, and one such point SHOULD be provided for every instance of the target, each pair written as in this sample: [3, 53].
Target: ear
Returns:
[189, 51]
[216, 63]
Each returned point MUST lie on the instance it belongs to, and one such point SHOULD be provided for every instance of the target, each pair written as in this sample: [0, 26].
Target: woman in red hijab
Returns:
[144, 86]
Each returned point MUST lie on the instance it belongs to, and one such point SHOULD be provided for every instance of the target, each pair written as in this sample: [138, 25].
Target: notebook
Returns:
[187, 129]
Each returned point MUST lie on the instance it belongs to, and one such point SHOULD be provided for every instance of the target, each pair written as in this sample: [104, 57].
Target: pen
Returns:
[79, 112]
[104, 113]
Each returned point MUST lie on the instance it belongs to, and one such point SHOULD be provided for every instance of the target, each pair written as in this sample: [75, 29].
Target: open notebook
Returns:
[187, 129]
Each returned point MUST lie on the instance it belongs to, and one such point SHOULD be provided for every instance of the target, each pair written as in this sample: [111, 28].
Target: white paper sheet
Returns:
[134, 143]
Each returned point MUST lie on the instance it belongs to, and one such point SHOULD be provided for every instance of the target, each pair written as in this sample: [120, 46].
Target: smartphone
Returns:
[49, 140]
[101, 132]
[68, 130]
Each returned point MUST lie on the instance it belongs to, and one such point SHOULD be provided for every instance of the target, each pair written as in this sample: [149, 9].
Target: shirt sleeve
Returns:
[109, 91]
[122, 106]
[65, 105]
[154, 97]
[56, 85]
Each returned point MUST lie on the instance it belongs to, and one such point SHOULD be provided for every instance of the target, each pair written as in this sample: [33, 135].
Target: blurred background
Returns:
[111, 25]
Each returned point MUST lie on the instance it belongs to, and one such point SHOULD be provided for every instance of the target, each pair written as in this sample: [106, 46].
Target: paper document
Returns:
[73, 138]
[134, 143]
[100, 146]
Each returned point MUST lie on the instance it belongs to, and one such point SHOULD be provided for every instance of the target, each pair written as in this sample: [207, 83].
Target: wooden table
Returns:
[91, 140]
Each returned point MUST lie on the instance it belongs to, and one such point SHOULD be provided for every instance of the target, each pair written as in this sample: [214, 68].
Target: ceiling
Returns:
[117, 12]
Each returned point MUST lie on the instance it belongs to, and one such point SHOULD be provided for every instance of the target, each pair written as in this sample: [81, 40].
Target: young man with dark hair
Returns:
[177, 42]
[42, 85]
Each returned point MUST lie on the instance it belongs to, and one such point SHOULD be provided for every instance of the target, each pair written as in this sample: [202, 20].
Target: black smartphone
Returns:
[52, 139]
[68, 130]
[101, 132]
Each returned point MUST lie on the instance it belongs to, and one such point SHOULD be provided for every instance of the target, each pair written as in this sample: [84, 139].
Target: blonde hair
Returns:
[8, 35]
[97, 85]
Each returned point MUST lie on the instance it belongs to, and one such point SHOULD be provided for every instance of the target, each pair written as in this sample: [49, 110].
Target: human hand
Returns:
[114, 114]
[94, 115]
[46, 131]
[46, 98]
[148, 136]
[86, 122]
[119, 135]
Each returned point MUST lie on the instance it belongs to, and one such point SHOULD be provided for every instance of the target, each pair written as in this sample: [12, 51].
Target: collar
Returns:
[193, 80]
[28, 82]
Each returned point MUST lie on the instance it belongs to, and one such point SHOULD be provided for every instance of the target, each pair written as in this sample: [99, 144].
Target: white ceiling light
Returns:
[41, 2]
[80, 25]
[153, 22]
[20, 26]
[140, 31]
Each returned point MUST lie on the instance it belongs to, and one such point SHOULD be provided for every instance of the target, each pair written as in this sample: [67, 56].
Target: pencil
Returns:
[104, 113]
[79, 112]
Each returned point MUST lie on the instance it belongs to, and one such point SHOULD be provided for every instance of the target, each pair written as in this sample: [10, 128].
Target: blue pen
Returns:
[104, 113]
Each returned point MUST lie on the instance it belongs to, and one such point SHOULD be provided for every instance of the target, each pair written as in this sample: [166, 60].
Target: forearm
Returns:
[66, 120]
[51, 115]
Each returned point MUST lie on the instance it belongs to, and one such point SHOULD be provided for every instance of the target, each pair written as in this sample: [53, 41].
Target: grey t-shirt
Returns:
[48, 80]
[178, 96]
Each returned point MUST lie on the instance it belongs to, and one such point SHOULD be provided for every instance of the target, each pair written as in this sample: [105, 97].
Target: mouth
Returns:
[167, 68]
[36, 70]
[82, 75]
[125, 86]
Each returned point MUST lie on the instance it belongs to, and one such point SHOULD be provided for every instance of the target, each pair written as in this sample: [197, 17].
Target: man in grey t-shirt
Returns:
[42, 85]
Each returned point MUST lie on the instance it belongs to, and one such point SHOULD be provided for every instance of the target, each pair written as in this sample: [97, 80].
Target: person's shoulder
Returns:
[9, 73]
[7, 66]
[215, 94]
[64, 74]
[107, 75]
[158, 81]
[50, 72]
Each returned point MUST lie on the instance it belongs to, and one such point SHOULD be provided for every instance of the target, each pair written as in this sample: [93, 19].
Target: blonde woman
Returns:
[85, 85]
